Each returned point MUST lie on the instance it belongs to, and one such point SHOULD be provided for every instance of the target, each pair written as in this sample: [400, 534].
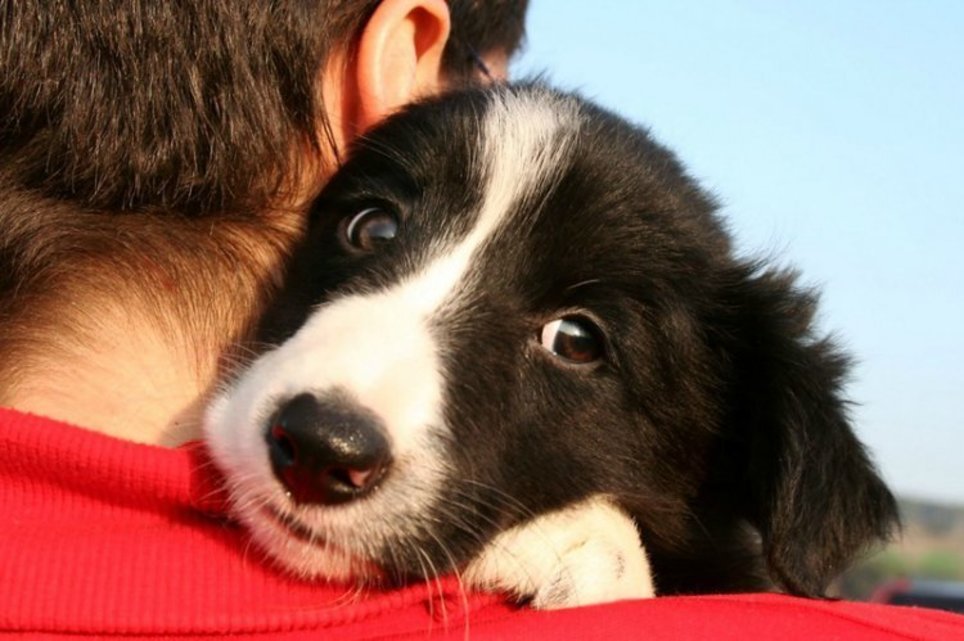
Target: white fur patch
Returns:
[379, 348]
[586, 553]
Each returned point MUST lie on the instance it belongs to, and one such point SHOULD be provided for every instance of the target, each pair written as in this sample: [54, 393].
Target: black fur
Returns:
[716, 417]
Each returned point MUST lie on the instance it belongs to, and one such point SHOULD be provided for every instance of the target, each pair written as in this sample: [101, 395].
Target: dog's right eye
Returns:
[371, 228]
[573, 338]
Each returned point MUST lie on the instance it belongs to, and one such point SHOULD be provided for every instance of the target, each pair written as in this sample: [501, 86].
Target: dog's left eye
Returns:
[371, 228]
[573, 338]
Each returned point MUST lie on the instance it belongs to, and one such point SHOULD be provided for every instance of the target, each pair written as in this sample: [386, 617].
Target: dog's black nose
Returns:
[326, 450]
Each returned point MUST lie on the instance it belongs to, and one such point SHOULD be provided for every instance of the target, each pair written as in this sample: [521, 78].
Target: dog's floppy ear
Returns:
[807, 482]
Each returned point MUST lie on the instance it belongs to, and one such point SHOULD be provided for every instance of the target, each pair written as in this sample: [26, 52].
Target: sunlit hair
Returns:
[199, 107]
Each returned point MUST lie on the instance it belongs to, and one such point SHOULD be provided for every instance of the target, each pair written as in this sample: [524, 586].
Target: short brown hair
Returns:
[190, 106]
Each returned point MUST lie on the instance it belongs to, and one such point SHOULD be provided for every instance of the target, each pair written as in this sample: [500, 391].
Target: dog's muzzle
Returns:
[327, 450]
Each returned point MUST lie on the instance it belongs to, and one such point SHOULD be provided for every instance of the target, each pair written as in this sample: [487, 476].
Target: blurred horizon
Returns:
[833, 136]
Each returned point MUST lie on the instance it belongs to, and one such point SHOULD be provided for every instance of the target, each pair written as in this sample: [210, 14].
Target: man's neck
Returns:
[127, 338]
[124, 381]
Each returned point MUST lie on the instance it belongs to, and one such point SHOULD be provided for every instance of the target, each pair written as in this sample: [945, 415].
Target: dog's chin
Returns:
[307, 553]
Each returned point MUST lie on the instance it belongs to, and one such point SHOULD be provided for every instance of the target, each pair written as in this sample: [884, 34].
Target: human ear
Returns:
[398, 57]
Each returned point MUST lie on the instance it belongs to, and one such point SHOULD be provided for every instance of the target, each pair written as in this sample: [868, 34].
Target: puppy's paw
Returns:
[587, 553]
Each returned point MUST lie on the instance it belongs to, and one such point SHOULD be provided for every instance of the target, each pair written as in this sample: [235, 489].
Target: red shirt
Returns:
[104, 538]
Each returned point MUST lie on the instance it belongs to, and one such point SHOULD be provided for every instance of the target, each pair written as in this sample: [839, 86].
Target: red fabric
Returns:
[109, 539]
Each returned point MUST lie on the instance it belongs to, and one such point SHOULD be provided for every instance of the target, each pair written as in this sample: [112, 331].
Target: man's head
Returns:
[211, 105]
[155, 163]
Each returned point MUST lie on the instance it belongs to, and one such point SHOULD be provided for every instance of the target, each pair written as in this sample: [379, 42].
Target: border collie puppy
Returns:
[515, 343]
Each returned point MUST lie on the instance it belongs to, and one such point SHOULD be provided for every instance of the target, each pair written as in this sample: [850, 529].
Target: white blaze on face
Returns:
[379, 347]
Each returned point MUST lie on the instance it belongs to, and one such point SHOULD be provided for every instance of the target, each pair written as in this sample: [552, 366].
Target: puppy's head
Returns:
[507, 301]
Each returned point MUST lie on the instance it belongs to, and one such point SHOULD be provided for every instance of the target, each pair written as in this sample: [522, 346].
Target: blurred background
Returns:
[833, 135]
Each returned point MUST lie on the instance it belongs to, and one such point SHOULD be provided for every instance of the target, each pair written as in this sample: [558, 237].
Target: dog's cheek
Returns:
[228, 436]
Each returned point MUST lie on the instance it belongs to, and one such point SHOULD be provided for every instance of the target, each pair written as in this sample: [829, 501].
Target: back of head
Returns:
[200, 107]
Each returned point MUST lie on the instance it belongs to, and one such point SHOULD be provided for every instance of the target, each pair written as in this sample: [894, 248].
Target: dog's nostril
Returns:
[281, 445]
[326, 450]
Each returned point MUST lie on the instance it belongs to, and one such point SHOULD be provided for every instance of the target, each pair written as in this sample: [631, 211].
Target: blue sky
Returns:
[833, 133]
